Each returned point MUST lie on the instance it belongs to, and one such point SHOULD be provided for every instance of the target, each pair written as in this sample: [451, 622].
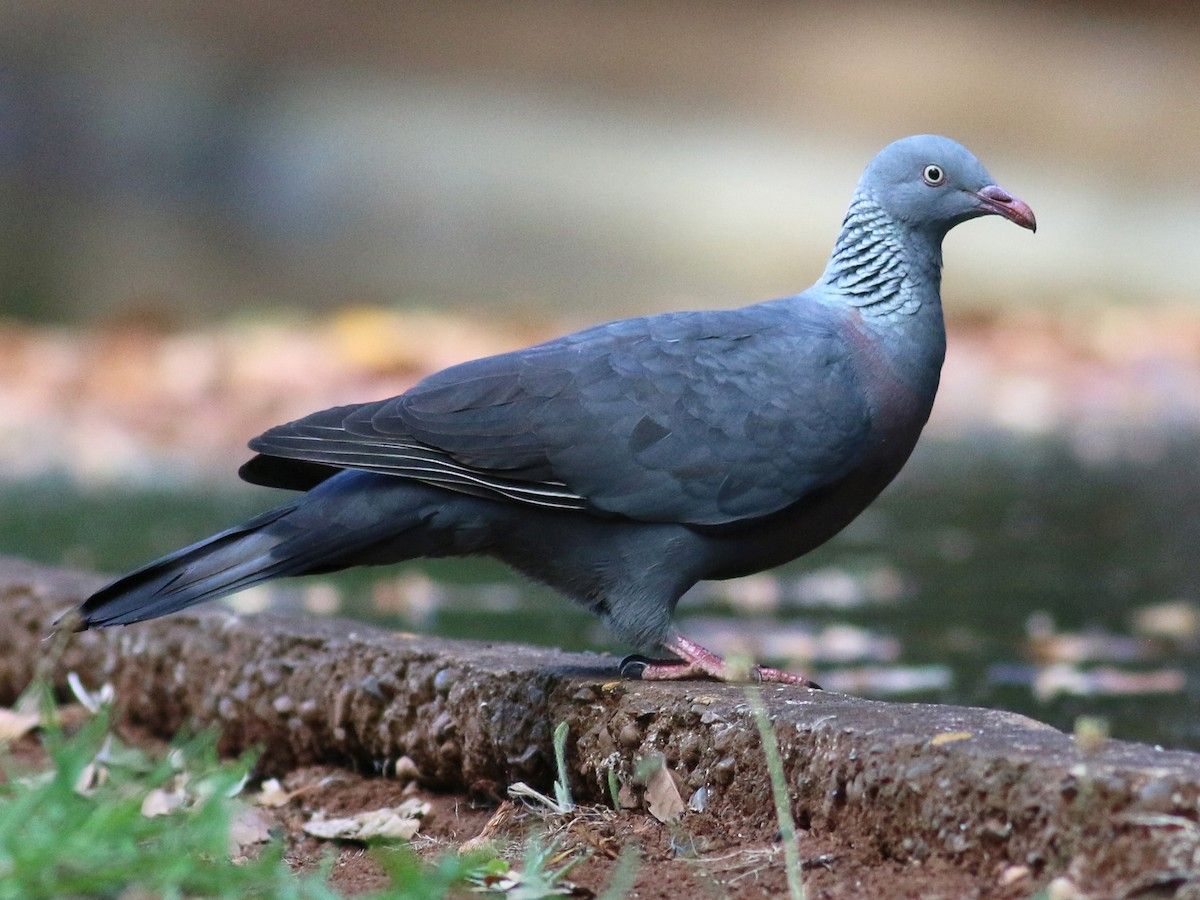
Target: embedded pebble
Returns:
[630, 736]
[1063, 888]
[994, 828]
[444, 726]
[1013, 874]
[1156, 795]
[370, 685]
[724, 770]
[405, 769]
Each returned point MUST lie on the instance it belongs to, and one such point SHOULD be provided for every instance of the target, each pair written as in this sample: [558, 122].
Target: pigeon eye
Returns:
[933, 175]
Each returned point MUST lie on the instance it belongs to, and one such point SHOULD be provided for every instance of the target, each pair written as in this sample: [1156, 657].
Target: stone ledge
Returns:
[980, 787]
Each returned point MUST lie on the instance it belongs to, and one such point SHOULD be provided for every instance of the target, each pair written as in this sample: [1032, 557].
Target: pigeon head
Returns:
[932, 183]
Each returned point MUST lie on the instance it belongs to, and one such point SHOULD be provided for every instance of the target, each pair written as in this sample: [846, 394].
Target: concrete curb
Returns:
[979, 787]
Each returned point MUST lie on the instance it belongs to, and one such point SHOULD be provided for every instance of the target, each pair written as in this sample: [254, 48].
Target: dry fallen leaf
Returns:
[93, 701]
[380, 823]
[1012, 874]
[626, 796]
[161, 802]
[248, 827]
[405, 769]
[1062, 888]
[90, 777]
[15, 725]
[414, 808]
[1178, 620]
[662, 796]
[273, 794]
[399, 822]
[1105, 681]
[950, 737]
[500, 820]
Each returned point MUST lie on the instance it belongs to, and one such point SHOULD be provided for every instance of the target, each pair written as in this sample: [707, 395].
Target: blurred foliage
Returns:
[107, 819]
[78, 829]
[181, 161]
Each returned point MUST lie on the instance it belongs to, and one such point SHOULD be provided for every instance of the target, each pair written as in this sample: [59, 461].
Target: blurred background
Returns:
[216, 217]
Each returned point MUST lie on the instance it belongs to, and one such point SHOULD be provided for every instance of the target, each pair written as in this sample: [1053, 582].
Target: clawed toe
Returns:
[695, 661]
[767, 675]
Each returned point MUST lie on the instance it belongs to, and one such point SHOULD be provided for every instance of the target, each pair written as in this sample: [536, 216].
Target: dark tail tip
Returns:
[218, 565]
[69, 620]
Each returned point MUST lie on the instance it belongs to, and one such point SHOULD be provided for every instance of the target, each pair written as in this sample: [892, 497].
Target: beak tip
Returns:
[1000, 202]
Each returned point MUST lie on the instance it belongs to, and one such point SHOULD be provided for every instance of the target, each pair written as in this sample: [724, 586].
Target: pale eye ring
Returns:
[933, 175]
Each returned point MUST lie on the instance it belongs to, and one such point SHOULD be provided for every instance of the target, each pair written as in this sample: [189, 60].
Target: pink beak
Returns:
[996, 199]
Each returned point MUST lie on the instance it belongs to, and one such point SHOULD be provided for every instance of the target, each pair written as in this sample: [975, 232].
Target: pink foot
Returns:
[699, 662]
[659, 669]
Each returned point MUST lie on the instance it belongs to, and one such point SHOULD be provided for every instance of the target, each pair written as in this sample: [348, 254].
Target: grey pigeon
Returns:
[624, 463]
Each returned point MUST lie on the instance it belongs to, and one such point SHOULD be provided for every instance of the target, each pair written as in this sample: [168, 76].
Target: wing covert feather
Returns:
[703, 418]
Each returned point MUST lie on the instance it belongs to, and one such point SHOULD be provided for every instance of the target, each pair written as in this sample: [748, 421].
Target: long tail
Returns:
[334, 526]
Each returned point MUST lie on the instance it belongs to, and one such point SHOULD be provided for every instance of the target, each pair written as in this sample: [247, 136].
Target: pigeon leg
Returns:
[700, 662]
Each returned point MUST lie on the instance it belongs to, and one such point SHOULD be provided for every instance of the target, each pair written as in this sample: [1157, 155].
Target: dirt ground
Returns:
[690, 860]
[696, 857]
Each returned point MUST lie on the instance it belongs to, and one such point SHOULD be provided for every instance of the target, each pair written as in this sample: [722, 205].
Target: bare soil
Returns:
[696, 857]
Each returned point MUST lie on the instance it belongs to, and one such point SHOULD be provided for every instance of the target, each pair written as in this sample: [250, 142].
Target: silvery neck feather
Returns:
[878, 266]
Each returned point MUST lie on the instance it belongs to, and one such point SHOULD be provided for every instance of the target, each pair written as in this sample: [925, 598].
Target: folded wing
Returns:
[703, 418]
